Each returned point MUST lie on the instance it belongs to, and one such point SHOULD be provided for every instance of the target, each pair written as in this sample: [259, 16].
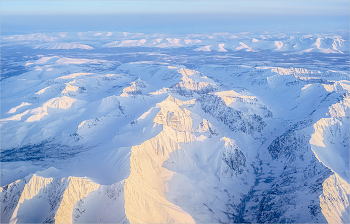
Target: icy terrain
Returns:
[115, 127]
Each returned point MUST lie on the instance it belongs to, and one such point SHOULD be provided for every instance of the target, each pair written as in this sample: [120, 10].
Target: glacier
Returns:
[118, 127]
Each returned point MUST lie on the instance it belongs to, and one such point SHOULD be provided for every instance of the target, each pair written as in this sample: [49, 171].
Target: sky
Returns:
[39, 16]
[14, 7]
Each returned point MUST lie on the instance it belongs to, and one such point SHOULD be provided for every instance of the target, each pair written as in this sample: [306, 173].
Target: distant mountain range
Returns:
[222, 42]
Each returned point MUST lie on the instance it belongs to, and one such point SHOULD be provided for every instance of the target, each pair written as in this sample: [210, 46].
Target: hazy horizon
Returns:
[20, 17]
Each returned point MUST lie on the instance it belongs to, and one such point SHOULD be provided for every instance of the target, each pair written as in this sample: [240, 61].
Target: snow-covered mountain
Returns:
[151, 129]
[219, 42]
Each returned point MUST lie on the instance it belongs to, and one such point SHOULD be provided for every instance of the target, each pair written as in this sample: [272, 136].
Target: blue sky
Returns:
[122, 7]
[173, 16]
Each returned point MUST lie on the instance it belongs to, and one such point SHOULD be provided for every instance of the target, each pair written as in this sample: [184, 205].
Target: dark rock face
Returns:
[35, 152]
[183, 91]
[9, 198]
[289, 196]
[236, 120]
[135, 93]
[289, 143]
[234, 159]
[11, 194]
[287, 186]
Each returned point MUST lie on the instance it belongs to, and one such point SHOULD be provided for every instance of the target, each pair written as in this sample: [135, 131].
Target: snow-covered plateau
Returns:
[116, 127]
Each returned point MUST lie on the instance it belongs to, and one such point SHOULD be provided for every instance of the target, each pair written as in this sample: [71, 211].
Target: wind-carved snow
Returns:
[110, 106]
[172, 42]
[67, 61]
[42, 90]
[26, 191]
[78, 188]
[104, 205]
[335, 200]
[235, 119]
[126, 43]
[91, 125]
[65, 46]
[145, 200]
[193, 82]
[244, 46]
[205, 48]
[73, 76]
[327, 50]
[37, 199]
[221, 48]
[244, 102]
[160, 91]
[181, 119]
[157, 41]
[135, 88]
[109, 103]
[88, 127]
[55, 103]
[51, 90]
[189, 41]
[330, 142]
[55, 60]
[13, 110]
[279, 45]
[45, 60]
[227, 159]
[312, 75]
[112, 44]
[147, 163]
[16, 117]
[32, 37]
[70, 89]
